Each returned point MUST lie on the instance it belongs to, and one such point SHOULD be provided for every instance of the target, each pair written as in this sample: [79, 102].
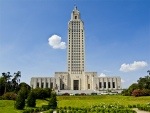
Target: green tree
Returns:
[144, 83]
[15, 81]
[132, 88]
[2, 85]
[25, 87]
[31, 100]
[52, 101]
[23, 84]
[7, 77]
[20, 101]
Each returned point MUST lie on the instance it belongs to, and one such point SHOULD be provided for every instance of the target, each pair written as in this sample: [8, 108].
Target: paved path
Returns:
[139, 111]
[135, 109]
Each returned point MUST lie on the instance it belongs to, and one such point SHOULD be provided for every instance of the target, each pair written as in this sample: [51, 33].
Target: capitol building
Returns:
[76, 79]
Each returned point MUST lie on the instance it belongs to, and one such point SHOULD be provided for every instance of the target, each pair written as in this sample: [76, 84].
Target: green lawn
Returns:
[86, 101]
[7, 106]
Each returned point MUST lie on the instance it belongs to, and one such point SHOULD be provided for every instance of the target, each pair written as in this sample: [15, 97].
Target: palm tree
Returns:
[16, 80]
[6, 78]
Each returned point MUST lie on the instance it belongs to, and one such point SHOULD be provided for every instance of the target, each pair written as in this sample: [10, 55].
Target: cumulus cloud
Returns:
[122, 81]
[55, 42]
[102, 75]
[133, 66]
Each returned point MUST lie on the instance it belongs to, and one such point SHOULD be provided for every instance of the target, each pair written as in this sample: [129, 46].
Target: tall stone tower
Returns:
[76, 79]
[76, 42]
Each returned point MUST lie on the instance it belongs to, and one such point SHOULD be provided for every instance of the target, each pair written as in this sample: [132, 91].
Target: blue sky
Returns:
[117, 34]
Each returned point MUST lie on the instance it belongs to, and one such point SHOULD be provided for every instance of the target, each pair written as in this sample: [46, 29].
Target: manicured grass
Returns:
[86, 101]
[7, 106]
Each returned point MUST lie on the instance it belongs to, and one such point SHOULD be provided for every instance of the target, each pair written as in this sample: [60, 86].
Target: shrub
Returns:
[53, 101]
[20, 100]
[42, 93]
[50, 111]
[77, 94]
[28, 111]
[45, 107]
[31, 100]
[93, 93]
[65, 94]
[82, 94]
[1, 98]
[9, 96]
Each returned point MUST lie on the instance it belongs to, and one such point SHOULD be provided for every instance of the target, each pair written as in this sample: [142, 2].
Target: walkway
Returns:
[139, 111]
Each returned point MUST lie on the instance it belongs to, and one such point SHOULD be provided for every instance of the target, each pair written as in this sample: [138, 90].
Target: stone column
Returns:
[34, 81]
[106, 83]
[39, 80]
[111, 83]
[49, 82]
[45, 82]
[116, 85]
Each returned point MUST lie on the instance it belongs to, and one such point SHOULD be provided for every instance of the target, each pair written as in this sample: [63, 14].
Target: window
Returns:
[113, 84]
[37, 84]
[108, 84]
[46, 84]
[75, 17]
[51, 86]
[88, 86]
[63, 86]
[42, 85]
[100, 84]
[104, 84]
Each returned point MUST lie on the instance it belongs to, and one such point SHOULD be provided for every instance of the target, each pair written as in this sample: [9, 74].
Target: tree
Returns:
[132, 88]
[20, 101]
[2, 85]
[144, 83]
[23, 84]
[53, 101]
[6, 79]
[25, 87]
[15, 81]
[31, 100]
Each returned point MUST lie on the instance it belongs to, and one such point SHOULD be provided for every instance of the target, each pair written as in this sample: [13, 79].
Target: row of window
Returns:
[76, 67]
[74, 46]
[76, 61]
[109, 85]
[76, 32]
[75, 56]
[42, 85]
[76, 50]
[76, 41]
[76, 72]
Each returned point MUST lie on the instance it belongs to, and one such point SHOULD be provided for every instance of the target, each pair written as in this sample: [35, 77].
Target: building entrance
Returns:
[76, 85]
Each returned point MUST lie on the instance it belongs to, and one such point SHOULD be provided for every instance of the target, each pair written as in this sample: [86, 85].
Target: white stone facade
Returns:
[76, 79]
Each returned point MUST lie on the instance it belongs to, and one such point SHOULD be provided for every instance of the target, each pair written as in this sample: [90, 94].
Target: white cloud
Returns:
[122, 81]
[102, 75]
[134, 66]
[55, 42]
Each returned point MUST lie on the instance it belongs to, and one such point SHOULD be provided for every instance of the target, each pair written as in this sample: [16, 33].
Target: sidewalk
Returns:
[139, 111]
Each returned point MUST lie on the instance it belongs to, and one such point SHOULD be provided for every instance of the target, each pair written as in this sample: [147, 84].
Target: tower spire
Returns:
[75, 7]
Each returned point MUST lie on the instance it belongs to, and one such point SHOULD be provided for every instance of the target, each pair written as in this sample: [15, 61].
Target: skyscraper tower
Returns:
[76, 42]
